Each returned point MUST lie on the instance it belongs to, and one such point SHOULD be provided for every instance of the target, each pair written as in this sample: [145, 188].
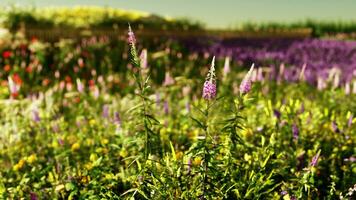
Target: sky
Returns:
[222, 13]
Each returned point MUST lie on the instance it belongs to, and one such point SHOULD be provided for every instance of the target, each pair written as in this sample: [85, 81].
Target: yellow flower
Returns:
[179, 155]
[75, 146]
[85, 179]
[59, 187]
[93, 157]
[197, 161]
[104, 141]
[123, 153]
[92, 122]
[32, 158]
[19, 165]
[88, 166]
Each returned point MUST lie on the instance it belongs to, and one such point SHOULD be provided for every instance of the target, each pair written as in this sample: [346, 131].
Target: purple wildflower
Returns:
[105, 113]
[131, 37]
[277, 114]
[166, 108]
[35, 115]
[335, 127]
[158, 99]
[168, 80]
[117, 118]
[209, 89]
[80, 86]
[245, 85]
[60, 141]
[284, 193]
[55, 128]
[295, 131]
[315, 159]
[33, 196]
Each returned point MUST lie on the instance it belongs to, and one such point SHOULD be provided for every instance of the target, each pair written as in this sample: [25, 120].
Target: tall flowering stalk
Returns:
[143, 87]
[206, 141]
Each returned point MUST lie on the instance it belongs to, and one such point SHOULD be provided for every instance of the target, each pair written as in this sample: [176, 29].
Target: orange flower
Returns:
[7, 68]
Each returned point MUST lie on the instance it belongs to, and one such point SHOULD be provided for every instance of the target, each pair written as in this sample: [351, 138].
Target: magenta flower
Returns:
[245, 85]
[80, 86]
[315, 159]
[131, 39]
[209, 90]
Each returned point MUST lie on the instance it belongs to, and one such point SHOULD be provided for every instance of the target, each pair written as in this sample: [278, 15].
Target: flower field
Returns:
[163, 118]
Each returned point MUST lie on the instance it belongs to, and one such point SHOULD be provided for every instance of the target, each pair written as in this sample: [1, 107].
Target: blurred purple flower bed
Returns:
[319, 55]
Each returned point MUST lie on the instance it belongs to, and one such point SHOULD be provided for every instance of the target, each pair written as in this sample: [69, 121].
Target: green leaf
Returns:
[69, 186]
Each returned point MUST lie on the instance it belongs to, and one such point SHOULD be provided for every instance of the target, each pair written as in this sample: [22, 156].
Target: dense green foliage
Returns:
[90, 17]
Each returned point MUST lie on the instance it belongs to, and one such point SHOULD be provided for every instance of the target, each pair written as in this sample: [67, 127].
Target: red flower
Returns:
[29, 69]
[17, 79]
[6, 54]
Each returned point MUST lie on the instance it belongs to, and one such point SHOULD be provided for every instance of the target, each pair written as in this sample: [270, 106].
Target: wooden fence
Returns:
[54, 34]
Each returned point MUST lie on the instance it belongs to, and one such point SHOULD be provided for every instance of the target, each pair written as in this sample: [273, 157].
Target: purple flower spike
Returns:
[277, 114]
[295, 131]
[166, 108]
[158, 99]
[105, 113]
[131, 39]
[117, 118]
[33, 196]
[315, 159]
[335, 127]
[245, 85]
[209, 90]
[349, 123]
[35, 115]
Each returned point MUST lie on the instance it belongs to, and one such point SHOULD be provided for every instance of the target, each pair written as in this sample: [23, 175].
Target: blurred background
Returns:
[274, 34]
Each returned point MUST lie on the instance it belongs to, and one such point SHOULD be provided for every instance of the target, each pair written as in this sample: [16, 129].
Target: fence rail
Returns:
[54, 34]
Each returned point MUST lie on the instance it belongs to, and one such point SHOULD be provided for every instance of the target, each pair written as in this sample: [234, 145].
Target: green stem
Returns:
[206, 150]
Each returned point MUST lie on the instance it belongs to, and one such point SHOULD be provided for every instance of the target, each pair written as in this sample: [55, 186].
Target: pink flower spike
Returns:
[226, 66]
[245, 85]
[209, 89]
[131, 37]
